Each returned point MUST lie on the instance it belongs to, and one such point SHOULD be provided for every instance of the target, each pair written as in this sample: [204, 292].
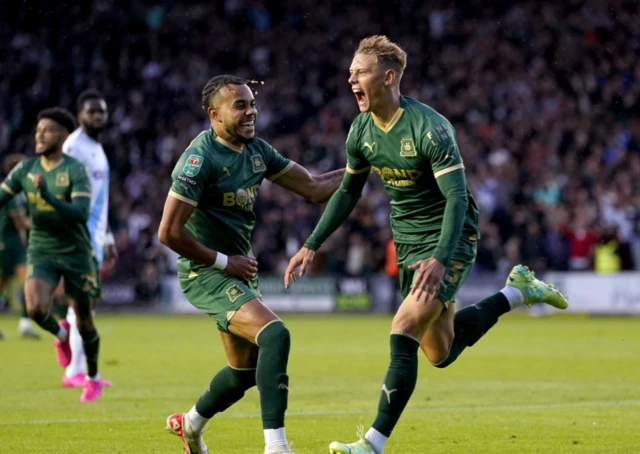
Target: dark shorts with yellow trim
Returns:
[12, 254]
[214, 292]
[82, 281]
[456, 271]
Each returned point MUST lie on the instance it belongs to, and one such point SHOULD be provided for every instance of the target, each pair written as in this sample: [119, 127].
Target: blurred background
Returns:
[545, 98]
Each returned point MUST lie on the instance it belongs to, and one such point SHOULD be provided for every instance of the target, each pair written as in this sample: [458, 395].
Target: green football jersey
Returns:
[414, 149]
[8, 231]
[52, 235]
[222, 182]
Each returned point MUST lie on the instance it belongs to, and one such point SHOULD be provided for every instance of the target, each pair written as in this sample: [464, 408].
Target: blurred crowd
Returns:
[545, 98]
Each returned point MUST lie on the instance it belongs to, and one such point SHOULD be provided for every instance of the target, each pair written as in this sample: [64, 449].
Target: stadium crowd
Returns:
[545, 98]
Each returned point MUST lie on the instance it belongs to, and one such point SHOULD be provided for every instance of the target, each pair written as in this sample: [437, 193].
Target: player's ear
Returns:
[389, 77]
[214, 114]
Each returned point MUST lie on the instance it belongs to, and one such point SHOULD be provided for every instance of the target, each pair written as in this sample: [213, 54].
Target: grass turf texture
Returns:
[565, 384]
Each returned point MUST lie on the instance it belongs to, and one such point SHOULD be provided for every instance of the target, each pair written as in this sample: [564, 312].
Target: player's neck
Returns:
[226, 139]
[51, 159]
[91, 134]
[386, 111]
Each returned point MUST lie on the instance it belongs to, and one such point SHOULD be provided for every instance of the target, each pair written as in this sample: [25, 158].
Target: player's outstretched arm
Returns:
[338, 210]
[173, 234]
[317, 188]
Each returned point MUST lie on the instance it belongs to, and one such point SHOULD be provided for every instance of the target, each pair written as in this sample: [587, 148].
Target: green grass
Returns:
[564, 384]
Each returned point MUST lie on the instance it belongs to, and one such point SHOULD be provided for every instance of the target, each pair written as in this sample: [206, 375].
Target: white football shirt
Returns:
[90, 152]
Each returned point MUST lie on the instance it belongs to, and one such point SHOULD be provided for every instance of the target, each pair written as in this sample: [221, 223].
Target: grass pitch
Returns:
[565, 384]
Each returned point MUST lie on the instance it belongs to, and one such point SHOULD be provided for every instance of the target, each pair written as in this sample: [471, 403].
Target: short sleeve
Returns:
[189, 177]
[80, 182]
[442, 149]
[12, 184]
[276, 166]
[356, 162]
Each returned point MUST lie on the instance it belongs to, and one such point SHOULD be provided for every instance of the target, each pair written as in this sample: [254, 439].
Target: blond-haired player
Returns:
[435, 227]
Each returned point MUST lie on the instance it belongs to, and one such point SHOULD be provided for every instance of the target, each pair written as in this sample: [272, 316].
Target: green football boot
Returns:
[361, 446]
[534, 290]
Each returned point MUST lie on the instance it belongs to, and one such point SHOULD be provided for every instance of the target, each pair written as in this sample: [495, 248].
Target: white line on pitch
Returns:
[624, 403]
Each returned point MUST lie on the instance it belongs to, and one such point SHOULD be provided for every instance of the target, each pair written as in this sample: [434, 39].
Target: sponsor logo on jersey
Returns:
[370, 147]
[258, 164]
[186, 180]
[242, 199]
[398, 177]
[234, 292]
[408, 148]
[62, 180]
[193, 165]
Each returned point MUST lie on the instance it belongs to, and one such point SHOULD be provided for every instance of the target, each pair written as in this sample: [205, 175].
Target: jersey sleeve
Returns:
[80, 181]
[12, 184]
[442, 149]
[190, 177]
[356, 162]
[277, 165]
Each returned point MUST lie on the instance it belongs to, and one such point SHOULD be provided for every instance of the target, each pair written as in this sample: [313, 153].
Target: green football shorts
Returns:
[82, 285]
[12, 254]
[214, 292]
[456, 270]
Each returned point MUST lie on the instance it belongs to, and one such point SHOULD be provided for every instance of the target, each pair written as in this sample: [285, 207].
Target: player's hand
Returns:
[110, 257]
[429, 274]
[245, 268]
[39, 182]
[302, 259]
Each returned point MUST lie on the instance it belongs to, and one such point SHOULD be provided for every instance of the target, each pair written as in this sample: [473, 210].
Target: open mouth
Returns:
[249, 124]
[360, 96]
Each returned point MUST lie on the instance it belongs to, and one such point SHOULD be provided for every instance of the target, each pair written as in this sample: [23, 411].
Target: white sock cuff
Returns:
[377, 439]
[513, 295]
[275, 437]
[196, 420]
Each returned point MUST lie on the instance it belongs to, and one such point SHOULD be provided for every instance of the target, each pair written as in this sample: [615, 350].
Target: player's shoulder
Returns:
[358, 126]
[423, 113]
[26, 164]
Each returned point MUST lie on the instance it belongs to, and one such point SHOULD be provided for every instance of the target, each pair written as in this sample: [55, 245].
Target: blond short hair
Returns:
[387, 53]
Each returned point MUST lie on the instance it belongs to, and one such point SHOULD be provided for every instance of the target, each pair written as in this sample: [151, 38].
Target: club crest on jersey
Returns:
[234, 292]
[193, 165]
[62, 180]
[258, 164]
[408, 148]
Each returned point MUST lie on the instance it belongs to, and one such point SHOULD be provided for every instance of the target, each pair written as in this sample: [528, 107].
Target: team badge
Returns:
[407, 148]
[234, 292]
[257, 163]
[62, 180]
[193, 165]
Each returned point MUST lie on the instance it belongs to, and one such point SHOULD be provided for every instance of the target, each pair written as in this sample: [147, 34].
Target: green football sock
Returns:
[47, 322]
[273, 383]
[473, 322]
[227, 387]
[91, 344]
[399, 383]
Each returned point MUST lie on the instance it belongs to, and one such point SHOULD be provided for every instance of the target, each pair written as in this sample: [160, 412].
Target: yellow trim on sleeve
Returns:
[182, 198]
[357, 171]
[439, 173]
[6, 187]
[80, 194]
[282, 172]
